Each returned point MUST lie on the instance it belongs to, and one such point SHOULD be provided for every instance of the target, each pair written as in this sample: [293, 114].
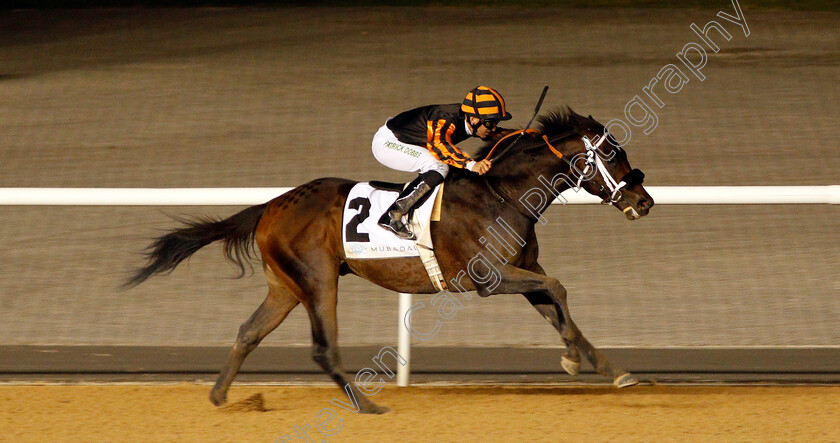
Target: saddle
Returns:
[363, 239]
[386, 186]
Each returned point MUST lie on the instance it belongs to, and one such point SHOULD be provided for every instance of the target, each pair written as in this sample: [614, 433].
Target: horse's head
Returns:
[577, 152]
[596, 161]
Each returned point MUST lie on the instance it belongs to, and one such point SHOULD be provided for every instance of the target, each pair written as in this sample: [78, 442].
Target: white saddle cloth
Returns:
[363, 238]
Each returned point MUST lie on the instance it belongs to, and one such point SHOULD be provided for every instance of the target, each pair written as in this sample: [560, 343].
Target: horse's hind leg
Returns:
[265, 319]
[322, 315]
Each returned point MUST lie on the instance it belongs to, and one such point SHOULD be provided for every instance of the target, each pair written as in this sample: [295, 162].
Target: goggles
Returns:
[490, 124]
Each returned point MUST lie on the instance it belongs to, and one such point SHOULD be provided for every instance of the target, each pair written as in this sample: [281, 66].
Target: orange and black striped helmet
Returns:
[485, 103]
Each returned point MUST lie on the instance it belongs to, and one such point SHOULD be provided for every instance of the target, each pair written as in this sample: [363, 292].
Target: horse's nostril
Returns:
[644, 204]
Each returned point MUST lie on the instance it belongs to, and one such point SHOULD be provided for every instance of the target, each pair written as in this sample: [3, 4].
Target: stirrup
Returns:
[396, 226]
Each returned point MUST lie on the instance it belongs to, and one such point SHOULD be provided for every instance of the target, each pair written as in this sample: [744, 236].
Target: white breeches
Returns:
[391, 152]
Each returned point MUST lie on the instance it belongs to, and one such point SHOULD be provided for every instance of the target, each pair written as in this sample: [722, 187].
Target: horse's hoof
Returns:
[625, 380]
[374, 409]
[217, 399]
[571, 366]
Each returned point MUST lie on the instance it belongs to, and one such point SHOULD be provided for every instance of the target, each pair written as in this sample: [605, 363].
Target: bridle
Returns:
[613, 188]
[612, 192]
[593, 160]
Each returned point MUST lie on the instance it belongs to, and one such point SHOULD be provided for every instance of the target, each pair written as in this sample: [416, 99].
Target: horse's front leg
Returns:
[545, 305]
[515, 280]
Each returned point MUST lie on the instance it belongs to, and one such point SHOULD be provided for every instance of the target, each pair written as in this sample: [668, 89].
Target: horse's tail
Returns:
[167, 251]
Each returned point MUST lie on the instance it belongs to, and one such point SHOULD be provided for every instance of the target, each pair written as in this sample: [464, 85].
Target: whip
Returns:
[536, 111]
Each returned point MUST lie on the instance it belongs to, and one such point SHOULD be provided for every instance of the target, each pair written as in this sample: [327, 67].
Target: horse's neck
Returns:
[533, 186]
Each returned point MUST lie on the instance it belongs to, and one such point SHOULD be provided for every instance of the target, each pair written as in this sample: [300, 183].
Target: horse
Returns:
[299, 239]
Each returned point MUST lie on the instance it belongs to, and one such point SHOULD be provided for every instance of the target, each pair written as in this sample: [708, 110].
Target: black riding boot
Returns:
[413, 193]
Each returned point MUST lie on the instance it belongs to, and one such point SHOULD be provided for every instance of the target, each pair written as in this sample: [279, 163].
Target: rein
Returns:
[502, 196]
[519, 132]
[522, 132]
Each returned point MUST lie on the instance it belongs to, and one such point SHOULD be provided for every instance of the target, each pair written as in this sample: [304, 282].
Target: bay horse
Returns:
[299, 237]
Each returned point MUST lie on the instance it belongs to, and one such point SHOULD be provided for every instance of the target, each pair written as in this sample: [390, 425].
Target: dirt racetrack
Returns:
[181, 413]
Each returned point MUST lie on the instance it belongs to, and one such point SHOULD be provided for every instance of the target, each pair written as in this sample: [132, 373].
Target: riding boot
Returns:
[413, 193]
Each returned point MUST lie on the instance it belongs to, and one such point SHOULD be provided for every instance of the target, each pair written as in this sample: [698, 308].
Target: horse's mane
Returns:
[561, 121]
[564, 121]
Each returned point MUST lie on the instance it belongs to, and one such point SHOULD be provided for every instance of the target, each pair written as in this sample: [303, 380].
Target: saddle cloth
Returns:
[363, 238]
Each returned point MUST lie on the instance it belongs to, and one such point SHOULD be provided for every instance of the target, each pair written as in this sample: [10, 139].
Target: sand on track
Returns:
[182, 413]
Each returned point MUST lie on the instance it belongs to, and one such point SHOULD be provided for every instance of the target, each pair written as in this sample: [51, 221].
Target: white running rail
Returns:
[673, 195]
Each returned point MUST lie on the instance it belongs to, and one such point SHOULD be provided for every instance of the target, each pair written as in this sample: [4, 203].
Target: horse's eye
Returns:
[615, 153]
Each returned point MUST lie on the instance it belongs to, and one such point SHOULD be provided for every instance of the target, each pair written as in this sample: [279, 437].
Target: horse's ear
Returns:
[590, 117]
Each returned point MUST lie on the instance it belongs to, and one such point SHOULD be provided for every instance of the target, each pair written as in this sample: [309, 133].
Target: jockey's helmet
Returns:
[485, 103]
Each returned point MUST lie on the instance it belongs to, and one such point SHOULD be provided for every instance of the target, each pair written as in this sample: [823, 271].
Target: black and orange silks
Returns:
[437, 127]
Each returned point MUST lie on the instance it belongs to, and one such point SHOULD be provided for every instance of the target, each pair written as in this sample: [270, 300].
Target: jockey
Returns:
[423, 140]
